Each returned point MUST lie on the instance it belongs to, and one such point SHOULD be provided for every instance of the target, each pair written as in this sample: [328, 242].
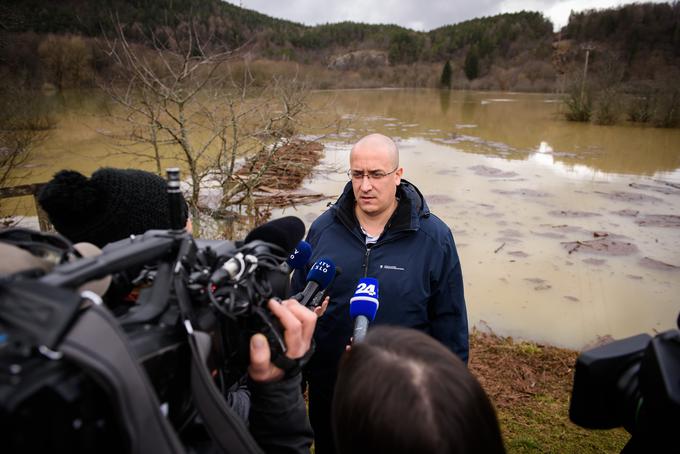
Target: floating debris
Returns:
[540, 284]
[549, 235]
[650, 263]
[512, 233]
[602, 246]
[659, 220]
[631, 197]
[486, 171]
[627, 213]
[573, 214]
[284, 173]
[595, 262]
[438, 199]
[519, 254]
[667, 190]
[523, 192]
[565, 228]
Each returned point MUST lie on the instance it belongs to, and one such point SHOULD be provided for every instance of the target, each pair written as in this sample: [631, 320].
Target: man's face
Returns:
[374, 195]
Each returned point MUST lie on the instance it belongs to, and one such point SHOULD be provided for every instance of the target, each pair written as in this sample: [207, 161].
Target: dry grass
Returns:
[530, 385]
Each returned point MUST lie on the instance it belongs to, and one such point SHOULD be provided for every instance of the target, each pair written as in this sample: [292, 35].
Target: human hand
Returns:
[298, 324]
[320, 310]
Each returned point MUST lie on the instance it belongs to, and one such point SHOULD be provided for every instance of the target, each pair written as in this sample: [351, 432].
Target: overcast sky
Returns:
[422, 15]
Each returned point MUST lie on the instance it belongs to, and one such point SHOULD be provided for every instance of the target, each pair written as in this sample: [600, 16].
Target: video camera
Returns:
[70, 375]
[634, 383]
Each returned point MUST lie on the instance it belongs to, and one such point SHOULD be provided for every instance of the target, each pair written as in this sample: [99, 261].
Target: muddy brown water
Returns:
[567, 232]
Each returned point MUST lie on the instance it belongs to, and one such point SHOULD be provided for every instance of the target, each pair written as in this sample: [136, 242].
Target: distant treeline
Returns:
[517, 51]
[636, 28]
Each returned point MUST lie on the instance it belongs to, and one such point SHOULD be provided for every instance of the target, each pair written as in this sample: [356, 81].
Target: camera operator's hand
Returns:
[298, 324]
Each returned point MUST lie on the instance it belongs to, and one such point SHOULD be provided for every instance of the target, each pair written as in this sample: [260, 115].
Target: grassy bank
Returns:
[530, 386]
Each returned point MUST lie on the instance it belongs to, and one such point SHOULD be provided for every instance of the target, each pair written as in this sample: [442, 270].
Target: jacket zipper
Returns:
[368, 252]
[379, 243]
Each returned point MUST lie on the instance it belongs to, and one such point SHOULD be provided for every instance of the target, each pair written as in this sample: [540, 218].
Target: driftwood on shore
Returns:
[284, 175]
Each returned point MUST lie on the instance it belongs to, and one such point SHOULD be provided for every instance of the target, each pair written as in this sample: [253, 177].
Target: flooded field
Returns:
[568, 233]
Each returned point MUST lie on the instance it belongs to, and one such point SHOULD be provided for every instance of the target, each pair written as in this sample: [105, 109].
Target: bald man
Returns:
[381, 227]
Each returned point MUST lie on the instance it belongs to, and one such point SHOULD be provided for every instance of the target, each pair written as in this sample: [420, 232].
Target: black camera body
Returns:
[634, 383]
[78, 374]
[50, 402]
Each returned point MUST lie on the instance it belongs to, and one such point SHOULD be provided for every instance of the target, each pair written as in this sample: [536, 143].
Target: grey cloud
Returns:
[416, 14]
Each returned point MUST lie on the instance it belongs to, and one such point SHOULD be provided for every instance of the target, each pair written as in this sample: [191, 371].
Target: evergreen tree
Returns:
[471, 66]
[446, 75]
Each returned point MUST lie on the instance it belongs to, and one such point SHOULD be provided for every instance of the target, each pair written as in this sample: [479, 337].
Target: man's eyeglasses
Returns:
[372, 175]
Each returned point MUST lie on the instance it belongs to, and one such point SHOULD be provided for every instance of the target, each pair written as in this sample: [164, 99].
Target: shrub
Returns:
[641, 107]
[607, 106]
[667, 113]
[579, 104]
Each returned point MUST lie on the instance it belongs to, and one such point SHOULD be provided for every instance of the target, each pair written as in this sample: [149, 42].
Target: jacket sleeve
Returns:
[447, 311]
[278, 417]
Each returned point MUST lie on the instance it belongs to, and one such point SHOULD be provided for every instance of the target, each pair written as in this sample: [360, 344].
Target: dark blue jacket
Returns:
[416, 264]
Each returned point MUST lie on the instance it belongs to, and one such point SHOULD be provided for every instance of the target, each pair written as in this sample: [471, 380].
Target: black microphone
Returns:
[285, 232]
[319, 277]
[363, 306]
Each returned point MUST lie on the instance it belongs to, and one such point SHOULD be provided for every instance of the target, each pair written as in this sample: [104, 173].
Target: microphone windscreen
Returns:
[322, 272]
[300, 256]
[285, 232]
[365, 300]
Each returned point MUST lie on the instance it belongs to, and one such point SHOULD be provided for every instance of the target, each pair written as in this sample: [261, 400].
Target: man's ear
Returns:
[397, 175]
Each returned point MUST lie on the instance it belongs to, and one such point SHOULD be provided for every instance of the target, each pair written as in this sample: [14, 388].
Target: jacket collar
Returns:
[411, 208]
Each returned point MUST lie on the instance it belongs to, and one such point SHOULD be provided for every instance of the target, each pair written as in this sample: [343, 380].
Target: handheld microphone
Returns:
[318, 299]
[319, 277]
[299, 258]
[363, 306]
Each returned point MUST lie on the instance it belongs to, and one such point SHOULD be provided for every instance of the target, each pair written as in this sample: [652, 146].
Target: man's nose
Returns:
[366, 183]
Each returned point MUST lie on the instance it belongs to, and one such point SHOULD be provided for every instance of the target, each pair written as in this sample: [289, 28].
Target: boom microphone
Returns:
[319, 277]
[363, 306]
[285, 232]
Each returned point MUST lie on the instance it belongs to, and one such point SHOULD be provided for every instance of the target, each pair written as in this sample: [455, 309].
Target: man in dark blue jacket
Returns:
[381, 227]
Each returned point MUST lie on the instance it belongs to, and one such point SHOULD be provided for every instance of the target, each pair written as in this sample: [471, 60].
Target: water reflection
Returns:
[518, 122]
[544, 157]
[444, 100]
[512, 220]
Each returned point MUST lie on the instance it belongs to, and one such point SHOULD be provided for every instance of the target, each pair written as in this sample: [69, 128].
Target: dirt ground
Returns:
[530, 386]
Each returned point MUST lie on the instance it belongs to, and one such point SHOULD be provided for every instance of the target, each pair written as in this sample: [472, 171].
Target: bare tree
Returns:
[23, 126]
[182, 102]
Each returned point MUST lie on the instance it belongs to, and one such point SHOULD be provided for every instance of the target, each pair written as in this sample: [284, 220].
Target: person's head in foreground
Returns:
[109, 206]
[401, 391]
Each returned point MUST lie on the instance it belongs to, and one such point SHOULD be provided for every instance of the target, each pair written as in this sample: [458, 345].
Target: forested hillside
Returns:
[517, 51]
